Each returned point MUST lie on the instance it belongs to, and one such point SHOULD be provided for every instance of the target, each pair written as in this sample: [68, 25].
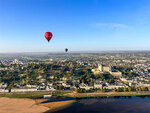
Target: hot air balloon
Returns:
[66, 50]
[48, 36]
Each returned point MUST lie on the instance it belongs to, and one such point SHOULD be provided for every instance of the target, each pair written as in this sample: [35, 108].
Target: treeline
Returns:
[83, 90]
[119, 89]
[129, 89]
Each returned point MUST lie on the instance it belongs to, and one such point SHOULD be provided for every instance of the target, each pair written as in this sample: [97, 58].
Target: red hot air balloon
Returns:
[48, 36]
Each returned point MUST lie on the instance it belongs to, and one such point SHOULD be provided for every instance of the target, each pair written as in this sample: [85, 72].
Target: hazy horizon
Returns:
[72, 52]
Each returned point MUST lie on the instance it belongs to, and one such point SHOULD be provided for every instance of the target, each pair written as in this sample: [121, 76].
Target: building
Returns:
[98, 84]
[114, 86]
[106, 69]
[96, 71]
[23, 90]
[116, 74]
[102, 68]
[4, 90]
[16, 62]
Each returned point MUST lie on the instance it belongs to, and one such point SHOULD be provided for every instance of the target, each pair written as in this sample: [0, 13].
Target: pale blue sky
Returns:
[80, 25]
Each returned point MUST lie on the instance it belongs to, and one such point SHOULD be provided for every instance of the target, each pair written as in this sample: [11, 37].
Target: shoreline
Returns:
[24, 105]
[105, 94]
[56, 106]
[39, 95]
[36, 105]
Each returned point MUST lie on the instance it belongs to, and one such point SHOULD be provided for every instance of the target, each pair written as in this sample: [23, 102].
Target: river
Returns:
[131, 104]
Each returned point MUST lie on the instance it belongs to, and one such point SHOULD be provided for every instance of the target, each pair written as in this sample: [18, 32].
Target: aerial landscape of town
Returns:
[58, 79]
[74, 56]
[79, 72]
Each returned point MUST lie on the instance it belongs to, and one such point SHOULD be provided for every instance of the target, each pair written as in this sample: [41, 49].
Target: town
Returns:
[78, 72]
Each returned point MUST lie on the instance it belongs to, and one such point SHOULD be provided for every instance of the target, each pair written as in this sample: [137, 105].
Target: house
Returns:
[116, 74]
[3, 85]
[98, 84]
[84, 86]
[114, 86]
[4, 90]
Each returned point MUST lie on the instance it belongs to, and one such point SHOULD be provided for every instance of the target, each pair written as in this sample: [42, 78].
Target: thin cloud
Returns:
[110, 25]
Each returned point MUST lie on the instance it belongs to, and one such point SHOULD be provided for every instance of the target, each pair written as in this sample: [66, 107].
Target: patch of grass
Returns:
[33, 95]
[25, 95]
[85, 95]
[61, 93]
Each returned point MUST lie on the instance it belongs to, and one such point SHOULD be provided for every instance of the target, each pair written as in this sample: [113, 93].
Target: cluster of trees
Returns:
[80, 90]
[33, 73]
[130, 74]
[60, 87]
[149, 79]
[86, 77]
[9, 76]
[83, 90]
[105, 76]
[129, 89]
[126, 70]
[2, 65]
[123, 68]
[28, 74]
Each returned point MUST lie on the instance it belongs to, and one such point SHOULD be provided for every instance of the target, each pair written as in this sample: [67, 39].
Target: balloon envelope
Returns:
[66, 50]
[48, 36]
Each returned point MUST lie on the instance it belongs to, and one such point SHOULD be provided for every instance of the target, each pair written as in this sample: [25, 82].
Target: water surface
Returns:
[110, 105]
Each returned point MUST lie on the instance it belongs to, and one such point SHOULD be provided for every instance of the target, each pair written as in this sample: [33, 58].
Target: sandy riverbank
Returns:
[13, 105]
[56, 106]
[16, 105]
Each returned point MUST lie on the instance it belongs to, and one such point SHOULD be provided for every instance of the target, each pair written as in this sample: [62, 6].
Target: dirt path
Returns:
[100, 94]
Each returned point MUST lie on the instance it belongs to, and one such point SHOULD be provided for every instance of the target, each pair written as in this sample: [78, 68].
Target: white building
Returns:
[114, 86]
[24, 90]
[4, 90]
